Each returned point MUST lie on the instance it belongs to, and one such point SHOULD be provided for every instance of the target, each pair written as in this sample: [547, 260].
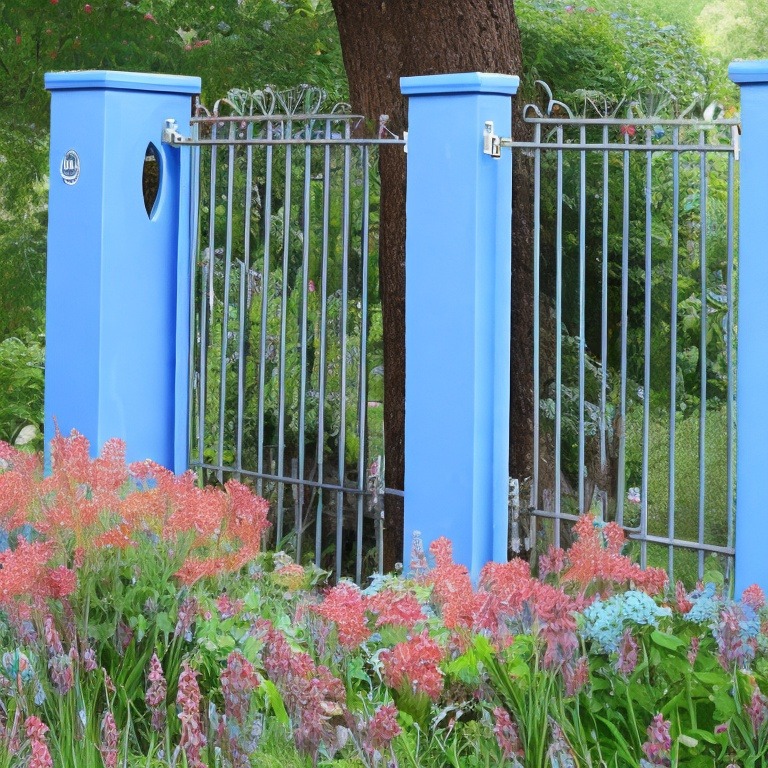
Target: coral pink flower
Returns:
[400, 609]
[681, 598]
[553, 562]
[452, 587]
[23, 570]
[414, 665]
[381, 729]
[36, 730]
[754, 597]
[60, 582]
[227, 607]
[344, 605]
[596, 556]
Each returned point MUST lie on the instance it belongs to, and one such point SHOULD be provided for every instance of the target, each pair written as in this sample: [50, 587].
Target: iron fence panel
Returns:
[287, 384]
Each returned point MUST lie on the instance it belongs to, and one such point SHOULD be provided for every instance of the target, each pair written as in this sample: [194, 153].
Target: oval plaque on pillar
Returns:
[70, 167]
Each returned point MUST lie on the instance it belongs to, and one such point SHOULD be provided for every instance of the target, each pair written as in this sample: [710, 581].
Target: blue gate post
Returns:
[458, 281]
[752, 373]
[117, 307]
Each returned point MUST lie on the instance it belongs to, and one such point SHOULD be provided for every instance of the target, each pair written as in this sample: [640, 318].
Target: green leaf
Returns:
[666, 641]
[276, 702]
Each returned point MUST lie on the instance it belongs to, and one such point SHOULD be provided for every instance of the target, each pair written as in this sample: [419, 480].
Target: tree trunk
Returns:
[382, 41]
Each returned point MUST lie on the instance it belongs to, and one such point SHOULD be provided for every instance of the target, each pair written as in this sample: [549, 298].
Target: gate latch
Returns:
[171, 133]
[491, 142]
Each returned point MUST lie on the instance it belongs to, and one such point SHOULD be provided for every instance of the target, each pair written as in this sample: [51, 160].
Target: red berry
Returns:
[18, 39]
[87, 8]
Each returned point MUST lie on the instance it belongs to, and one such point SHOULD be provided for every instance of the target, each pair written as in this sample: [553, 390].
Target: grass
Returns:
[687, 476]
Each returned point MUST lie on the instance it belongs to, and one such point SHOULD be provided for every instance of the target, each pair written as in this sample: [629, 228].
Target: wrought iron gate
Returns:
[287, 384]
[634, 321]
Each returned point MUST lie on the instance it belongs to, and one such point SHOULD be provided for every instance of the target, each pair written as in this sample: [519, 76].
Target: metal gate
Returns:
[287, 383]
[634, 318]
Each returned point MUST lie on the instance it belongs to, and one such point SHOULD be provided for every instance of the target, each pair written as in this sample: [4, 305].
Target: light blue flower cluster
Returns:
[706, 605]
[605, 620]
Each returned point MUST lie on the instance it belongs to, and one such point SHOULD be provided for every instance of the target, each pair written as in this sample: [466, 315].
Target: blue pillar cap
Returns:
[747, 72]
[460, 82]
[122, 81]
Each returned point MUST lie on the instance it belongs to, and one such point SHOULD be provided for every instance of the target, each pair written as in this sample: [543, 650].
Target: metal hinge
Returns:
[171, 133]
[491, 142]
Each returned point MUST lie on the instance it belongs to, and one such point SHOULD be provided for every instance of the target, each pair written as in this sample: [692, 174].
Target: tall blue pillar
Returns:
[117, 310]
[752, 372]
[458, 282]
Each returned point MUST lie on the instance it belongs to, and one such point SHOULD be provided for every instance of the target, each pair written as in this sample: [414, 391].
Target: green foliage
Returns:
[735, 28]
[620, 55]
[21, 391]
[232, 43]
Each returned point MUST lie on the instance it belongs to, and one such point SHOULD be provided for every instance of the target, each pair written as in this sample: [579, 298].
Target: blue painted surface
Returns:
[115, 319]
[752, 373]
[458, 272]
[129, 81]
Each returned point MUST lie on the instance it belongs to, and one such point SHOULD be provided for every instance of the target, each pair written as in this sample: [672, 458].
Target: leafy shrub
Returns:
[140, 625]
[21, 391]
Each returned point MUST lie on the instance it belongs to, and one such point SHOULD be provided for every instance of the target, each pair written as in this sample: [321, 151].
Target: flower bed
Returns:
[140, 625]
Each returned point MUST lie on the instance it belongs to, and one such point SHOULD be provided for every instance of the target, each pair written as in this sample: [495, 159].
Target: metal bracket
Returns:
[491, 142]
[171, 133]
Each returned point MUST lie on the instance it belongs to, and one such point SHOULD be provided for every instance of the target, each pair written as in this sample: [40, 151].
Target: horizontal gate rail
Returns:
[286, 359]
[634, 308]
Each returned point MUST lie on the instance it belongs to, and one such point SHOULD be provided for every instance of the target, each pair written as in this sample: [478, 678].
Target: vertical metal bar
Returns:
[207, 295]
[323, 323]
[558, 337]
[582, 305]
[646, 353]
[203, 362]
[604, 319]
[245, 267]
[703, 341]
[226, 299]
[536, 319]
[729, 363]
[267, 221]
[363, 381]
[197, 330]
[241, 314]
[345, 223]
[621, 484]
[673, 347]
[288, 132]
[303, 345]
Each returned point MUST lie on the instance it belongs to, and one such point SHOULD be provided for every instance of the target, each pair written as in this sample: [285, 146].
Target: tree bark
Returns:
[382, 41]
